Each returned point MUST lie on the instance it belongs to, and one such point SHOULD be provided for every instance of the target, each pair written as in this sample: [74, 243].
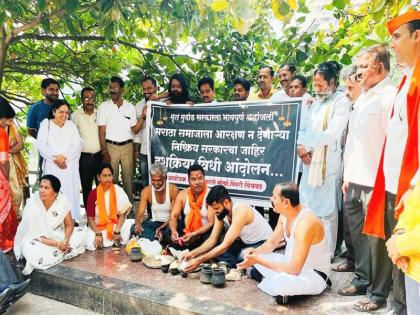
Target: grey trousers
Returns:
[412, 287]
[384, 273]
[7, 275]
[355, 206]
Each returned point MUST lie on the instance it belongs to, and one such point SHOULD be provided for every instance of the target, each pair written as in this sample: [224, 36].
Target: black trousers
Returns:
[89, 164]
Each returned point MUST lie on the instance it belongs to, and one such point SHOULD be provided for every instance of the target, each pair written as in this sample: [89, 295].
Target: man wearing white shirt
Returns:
[319, 148]
[91, 158]
[400, 158]
[150, 88]
[370, 116]
[117, 123]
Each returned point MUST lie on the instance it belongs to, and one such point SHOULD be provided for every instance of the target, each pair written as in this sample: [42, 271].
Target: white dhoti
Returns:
[308, 282]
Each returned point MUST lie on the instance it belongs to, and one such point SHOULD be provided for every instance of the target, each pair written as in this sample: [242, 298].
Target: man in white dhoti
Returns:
[320, 149]
[46, 235]
[305, 266]
[60, 145]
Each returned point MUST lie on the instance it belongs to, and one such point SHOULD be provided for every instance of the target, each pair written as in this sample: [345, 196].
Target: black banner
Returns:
[247, 147]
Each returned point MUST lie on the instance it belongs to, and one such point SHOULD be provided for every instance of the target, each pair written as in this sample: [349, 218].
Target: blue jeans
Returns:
[7, 274]
[234, 254]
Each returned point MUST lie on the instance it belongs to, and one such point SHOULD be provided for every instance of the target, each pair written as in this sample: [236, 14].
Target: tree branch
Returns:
[85, 38]
[38, 19]
[16, 97]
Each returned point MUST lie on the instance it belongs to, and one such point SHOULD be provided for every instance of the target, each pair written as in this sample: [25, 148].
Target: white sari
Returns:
[37, 222]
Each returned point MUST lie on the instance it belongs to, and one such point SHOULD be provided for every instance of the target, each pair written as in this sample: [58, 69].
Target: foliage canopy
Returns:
[85, 42]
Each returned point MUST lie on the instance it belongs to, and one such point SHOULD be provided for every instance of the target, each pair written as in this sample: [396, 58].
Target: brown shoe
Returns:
[352, 290]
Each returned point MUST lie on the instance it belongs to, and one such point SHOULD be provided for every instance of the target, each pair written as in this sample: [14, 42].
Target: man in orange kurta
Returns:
[399, 164]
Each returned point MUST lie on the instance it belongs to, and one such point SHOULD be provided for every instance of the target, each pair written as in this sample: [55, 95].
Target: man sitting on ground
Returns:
[189, 215]
[247, 228]
[305, 266]
[160, 195]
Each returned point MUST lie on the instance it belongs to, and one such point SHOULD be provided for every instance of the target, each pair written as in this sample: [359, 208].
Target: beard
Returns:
[51, 98]
[323, 96]
[220, 216]
[178, 97]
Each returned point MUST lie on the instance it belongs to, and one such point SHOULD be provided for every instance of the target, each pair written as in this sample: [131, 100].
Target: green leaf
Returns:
[346, 59]
[71, 5]
[301, 56]
[339, 4]
[109, 30]
[41, 5]
[46, 25]
[378, 5]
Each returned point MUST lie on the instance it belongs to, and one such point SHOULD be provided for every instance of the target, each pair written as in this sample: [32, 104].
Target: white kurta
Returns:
[325, 200]
[37, 222]
[53, 140]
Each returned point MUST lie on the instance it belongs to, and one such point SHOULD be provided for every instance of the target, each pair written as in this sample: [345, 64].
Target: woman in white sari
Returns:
[107, 208]
[60, 145]
[46, 235]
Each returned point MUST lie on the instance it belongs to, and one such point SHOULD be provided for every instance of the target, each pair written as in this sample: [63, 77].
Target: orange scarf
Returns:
[106, 221]
[194, 221]
[375, 216]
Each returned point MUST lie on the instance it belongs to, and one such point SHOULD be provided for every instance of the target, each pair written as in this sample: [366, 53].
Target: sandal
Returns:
[352, 290]
[367, 305]
[344, 267]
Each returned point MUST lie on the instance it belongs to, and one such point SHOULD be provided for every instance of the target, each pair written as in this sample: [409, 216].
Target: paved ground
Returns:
[244, 294]
[35, 304]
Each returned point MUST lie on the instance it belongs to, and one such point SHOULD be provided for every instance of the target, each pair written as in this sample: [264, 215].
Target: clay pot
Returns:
[218, 278]
[135, 254]
[206, 273]
[165, 268]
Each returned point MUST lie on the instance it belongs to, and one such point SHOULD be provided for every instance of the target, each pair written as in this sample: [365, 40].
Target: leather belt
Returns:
[119, 143]
[90, 154]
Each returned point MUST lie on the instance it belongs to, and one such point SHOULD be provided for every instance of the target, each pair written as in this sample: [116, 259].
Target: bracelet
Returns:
[98, 234]
[117, 233]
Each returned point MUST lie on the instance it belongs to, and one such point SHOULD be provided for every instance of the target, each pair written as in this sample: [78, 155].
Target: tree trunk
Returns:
[4, 45]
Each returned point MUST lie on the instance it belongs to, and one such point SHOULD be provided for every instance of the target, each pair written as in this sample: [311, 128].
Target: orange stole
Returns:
[106, 221]
[375, 217]
[194, 221]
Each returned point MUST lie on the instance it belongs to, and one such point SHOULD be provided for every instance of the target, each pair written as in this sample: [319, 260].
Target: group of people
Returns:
[358, 151]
